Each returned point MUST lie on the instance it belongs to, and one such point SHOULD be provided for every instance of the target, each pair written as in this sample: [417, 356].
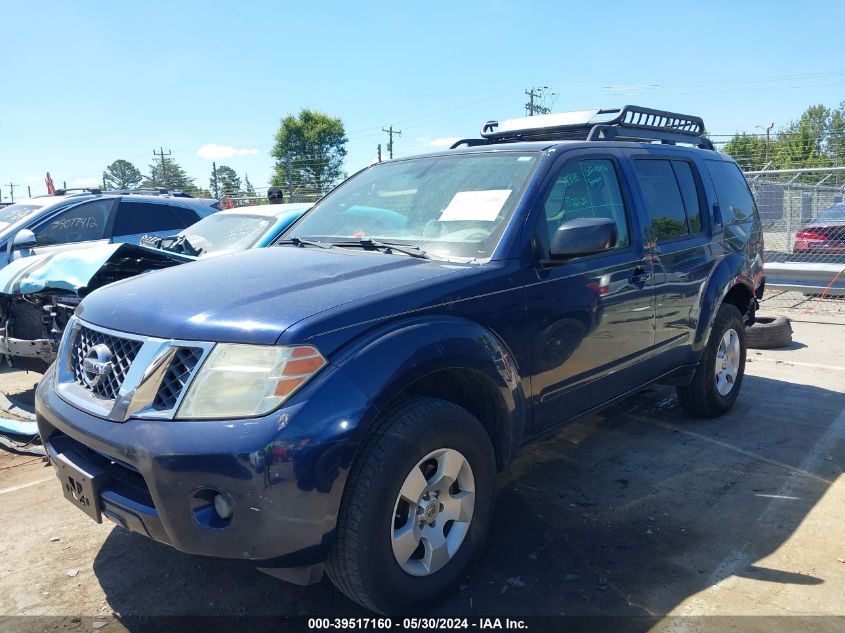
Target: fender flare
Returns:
[731, 271]
[387, 360]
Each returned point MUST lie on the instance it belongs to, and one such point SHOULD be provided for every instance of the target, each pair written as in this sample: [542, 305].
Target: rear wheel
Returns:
[717, 381]
[416, 508]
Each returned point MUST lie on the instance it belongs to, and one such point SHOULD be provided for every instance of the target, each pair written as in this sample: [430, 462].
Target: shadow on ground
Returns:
[627, 512]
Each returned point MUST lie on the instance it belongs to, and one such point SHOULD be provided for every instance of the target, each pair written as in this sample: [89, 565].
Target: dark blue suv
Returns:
[344, 400]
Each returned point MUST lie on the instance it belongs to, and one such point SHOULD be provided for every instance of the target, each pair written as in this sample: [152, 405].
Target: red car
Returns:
[825, 234]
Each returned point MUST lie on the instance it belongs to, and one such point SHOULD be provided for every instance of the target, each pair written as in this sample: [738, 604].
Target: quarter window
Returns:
[735, 199]
[587, 189]
[80, 223]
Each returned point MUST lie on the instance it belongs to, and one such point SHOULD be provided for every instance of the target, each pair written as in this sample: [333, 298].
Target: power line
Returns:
[390, 132]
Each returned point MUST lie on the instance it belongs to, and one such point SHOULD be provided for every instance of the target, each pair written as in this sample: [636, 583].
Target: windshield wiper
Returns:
[388, 247]
[298, 241]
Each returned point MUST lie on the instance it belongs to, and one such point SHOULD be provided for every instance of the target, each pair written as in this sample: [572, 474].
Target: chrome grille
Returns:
[181, 366]
[123, 353]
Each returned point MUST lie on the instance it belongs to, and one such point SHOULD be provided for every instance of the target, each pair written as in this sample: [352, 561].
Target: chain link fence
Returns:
[231, 200]
[803, 217]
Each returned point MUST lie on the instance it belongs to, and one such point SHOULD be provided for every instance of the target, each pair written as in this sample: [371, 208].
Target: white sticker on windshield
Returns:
[475, 205]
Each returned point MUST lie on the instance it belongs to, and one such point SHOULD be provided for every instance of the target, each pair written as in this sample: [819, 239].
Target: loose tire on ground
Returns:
[769, 332]
[362, 563]
[702, 398]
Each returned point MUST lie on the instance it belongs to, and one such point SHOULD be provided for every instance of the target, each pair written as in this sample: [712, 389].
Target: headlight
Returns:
[248, 380]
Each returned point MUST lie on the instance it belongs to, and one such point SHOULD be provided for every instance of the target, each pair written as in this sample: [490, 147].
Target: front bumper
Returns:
[43, 349]
[284, 472]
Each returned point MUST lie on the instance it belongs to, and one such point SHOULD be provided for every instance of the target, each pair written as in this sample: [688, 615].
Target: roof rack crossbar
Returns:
[148, 191]
[64, 190]
[470, 142]
[142, 190]
[629, 122]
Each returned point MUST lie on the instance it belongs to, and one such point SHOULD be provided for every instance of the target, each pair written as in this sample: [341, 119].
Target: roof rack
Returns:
[628, 123]
[65, 191]
[150, 191]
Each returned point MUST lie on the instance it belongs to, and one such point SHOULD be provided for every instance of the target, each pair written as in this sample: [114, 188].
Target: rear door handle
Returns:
[639, 277]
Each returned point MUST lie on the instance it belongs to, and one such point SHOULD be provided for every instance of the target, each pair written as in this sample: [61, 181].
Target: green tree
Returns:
[749, 151]
[121, 174]
[170, 176]
[313, 144]
[815, 139]
[836, 135]
[228, 182]
[249, 190]
[802, 143]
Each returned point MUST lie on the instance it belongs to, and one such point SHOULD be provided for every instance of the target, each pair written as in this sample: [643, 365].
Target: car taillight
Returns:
[807, 235]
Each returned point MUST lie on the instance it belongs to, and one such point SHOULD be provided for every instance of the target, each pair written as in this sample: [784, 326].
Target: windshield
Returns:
[833, 214]
[227, 232]
[15, 212]
[450, 206]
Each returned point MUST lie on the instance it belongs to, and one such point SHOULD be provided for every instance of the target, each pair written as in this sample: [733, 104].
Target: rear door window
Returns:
[134, 218]
[80, 223]
[689, 193]
[735, 200]
[663, 199]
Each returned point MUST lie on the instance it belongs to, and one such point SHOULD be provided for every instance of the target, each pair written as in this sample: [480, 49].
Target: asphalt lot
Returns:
[638, 510]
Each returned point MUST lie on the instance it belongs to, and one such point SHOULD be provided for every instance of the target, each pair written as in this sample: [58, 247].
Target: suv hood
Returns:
[250, 297]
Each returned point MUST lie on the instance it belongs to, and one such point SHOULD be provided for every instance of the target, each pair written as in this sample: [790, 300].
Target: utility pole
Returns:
[12, 186]
[28, 191]
[379, 152]
[532, 108]
[162, 155]
[768, 132]
[390, 132]
[214, 175]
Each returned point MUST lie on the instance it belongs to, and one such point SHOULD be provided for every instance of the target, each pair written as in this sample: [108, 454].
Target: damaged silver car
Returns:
[39, 294]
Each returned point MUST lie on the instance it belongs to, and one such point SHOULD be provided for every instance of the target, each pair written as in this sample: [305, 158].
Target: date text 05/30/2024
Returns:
[416, 623]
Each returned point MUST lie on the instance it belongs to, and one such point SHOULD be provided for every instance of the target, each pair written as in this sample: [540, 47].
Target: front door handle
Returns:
[639, 277]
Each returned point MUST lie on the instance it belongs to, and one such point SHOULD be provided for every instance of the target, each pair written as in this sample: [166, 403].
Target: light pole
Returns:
[768, 132]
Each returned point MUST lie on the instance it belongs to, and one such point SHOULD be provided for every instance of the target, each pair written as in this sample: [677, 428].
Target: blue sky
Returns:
[85, 83]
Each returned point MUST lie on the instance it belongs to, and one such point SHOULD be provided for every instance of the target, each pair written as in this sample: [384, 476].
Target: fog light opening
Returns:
[212, 509]
[223, 506]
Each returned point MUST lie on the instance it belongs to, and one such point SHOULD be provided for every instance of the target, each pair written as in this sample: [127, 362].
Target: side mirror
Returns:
[584, 236]
[23, 239]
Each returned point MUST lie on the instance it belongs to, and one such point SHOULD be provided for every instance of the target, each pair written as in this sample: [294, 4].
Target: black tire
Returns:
[701, 398]
[27, 322]
[361, 563]
[769, 333]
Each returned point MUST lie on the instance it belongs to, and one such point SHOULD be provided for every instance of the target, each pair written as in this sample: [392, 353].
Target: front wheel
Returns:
[718, 379]
[416, 508]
